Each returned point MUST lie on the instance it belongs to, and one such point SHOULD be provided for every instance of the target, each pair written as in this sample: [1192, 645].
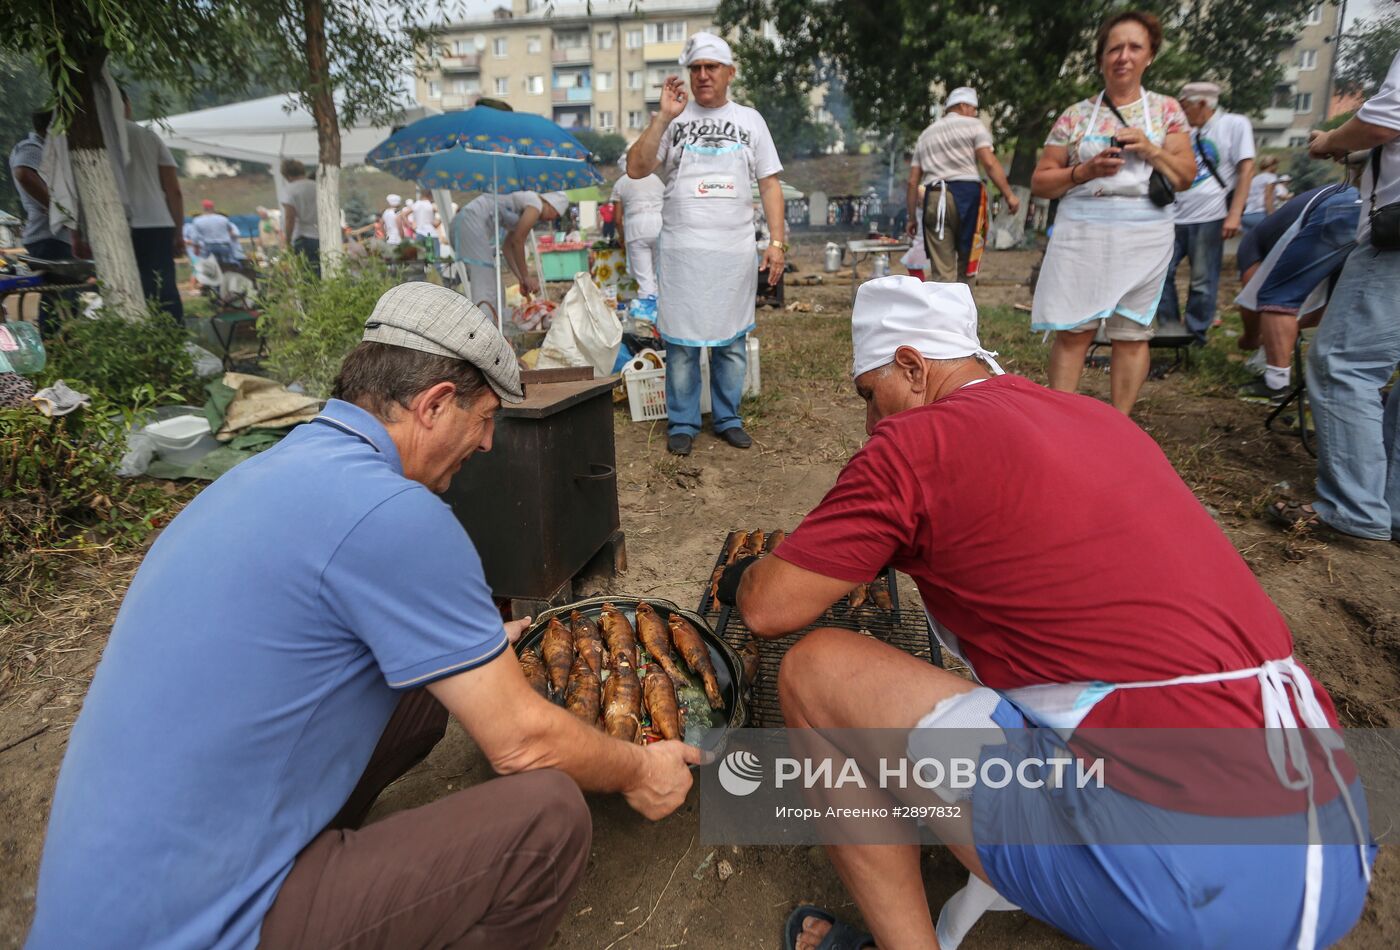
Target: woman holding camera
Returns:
[1114, 160]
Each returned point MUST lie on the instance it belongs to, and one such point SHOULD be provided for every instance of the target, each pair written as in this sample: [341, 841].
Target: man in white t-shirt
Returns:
[1357, 348]
[637, 204]
[1212, 209]
[421, 213]
[153, 190]
[945, 166]
[709, 151]
[393, 230]
[300, 224]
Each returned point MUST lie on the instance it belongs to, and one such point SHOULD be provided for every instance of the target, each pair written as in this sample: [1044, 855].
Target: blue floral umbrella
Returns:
[486, 149]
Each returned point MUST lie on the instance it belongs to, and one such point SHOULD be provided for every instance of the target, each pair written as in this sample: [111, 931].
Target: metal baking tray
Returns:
[728, 667]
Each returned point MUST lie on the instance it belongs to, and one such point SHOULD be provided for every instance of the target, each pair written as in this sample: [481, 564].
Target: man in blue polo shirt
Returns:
[239, 724]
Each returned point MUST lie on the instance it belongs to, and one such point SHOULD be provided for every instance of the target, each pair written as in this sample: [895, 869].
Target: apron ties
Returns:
[1282, 685]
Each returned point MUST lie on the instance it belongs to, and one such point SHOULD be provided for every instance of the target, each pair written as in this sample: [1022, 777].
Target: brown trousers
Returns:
[494, 865]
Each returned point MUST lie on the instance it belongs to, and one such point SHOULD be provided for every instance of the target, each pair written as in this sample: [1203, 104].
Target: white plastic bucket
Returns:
[182, 440]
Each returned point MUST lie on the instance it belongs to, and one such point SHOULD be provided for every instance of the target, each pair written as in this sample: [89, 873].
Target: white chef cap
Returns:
[961, 96]
[556, 200]
[938, 320]
[706, 46]
[394, 201]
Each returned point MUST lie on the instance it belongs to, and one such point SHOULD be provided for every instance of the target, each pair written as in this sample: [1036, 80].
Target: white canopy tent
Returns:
[268, 130]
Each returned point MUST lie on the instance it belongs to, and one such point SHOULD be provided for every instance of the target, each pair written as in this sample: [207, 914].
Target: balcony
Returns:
[1290, 76]
[467, 62]
[657, 52]
[572, 54]
[580, 94]
[1276, 118]
[452, 103]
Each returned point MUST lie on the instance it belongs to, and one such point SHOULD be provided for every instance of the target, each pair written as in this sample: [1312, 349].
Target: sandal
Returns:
[1294, 514]
[841, 936]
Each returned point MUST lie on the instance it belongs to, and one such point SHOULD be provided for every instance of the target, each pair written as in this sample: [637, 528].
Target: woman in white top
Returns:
[638, 220]
[473, 233]
[1111, 246]
[1262, 194]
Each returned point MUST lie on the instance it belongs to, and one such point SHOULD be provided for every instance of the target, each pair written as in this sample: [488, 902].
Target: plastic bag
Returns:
[584, 332]
[140, 450]
[206, 364]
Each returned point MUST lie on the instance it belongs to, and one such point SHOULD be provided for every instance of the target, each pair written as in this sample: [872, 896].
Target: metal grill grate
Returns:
[904, 627]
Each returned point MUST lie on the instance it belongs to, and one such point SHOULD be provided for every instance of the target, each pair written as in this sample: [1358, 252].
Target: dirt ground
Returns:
[654, 885]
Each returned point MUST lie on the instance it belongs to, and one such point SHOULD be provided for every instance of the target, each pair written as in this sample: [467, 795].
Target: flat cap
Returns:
[432, 319]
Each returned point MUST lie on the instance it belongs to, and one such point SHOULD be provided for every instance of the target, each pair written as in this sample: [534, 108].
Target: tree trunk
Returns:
[104, 217]
[1029, 134]
[327, 137]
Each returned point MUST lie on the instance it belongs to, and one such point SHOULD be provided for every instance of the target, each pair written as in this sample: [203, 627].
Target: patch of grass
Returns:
[1006, 331]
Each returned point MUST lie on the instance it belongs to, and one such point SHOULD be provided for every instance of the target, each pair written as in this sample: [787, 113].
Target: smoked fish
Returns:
[584, 694]
[773, 539]
[588, 641]
[748, 658]
[652, 632]
[734, 546]
[691, 646]
[660, 694]
[880, 593]
[753, 544]
[620, 637]
[858, 596]
[557, 648]
[622, 703]
[533, 668]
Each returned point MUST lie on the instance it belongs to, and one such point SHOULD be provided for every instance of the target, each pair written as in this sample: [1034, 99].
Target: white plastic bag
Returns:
[585, 331]
[206, 364]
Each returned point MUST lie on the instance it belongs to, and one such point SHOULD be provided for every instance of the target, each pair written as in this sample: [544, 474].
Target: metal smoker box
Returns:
[542, 503]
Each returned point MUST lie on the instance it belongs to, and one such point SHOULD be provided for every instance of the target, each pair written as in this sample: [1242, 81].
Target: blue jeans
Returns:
[1250, 221]
[1356, 350]
[1204, 245]
[727, 366]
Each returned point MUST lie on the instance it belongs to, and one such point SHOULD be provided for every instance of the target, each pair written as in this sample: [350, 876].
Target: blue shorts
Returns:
[1151, 895]
[1316, 253]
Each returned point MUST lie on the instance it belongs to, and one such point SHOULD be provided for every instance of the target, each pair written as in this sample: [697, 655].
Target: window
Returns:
[634, 79]
[462, 86]
[502, 86]
[570, 40]
[1297, 141]
[500, 46]
[634, 39]
[636, 120]
[532, 44]
[434, 90]
[1307, 59]
[463, 47]
[1315, 15]
[671, 31]
[656, 78]
[534, 85]
[605, 119]
[604, 82]
[1302, 103]
[605, 38]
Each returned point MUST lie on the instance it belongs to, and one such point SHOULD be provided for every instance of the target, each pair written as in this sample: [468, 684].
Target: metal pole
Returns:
[496, 214]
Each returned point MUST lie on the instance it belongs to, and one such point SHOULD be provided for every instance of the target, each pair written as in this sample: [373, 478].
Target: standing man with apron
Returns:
[709, 151]
[638, 219]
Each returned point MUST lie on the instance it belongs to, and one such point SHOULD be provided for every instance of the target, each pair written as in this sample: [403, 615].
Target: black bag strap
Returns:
[1210, 166]
[1114, 109]
[1375, 174]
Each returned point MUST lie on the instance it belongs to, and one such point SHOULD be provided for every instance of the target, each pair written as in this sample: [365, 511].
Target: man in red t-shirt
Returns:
[1061, 557]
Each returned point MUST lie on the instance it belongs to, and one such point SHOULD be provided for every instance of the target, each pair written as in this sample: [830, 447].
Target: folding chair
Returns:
[1298, 394]
[1169, 336]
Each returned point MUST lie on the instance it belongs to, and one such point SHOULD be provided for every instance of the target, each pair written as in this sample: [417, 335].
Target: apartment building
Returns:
[1302, 99]
[599, 68]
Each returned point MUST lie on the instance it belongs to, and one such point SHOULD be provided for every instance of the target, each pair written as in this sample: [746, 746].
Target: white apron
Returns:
[1111, 247]
[706, 273]
[1063, 706]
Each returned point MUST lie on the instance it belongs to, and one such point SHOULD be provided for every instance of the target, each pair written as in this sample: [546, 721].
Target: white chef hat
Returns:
[938, 320]
[961, 96]
[706, 46]
[394, 200]
[556, 200]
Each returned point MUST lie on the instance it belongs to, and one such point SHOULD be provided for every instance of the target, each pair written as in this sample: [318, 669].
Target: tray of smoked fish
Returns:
[640, 669]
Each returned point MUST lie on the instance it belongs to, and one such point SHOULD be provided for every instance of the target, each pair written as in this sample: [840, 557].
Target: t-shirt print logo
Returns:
[1212, 151]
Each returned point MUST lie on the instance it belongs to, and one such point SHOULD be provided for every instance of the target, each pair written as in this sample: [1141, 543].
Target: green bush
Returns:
[310, 324]
[119, 358]
[62, 487]
[607, 147]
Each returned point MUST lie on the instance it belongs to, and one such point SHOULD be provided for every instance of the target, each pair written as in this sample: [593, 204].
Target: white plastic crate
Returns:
[646, 383]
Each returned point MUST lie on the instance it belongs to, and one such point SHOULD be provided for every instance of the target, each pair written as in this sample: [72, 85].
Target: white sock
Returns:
[964, 908]
[1278, 377]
